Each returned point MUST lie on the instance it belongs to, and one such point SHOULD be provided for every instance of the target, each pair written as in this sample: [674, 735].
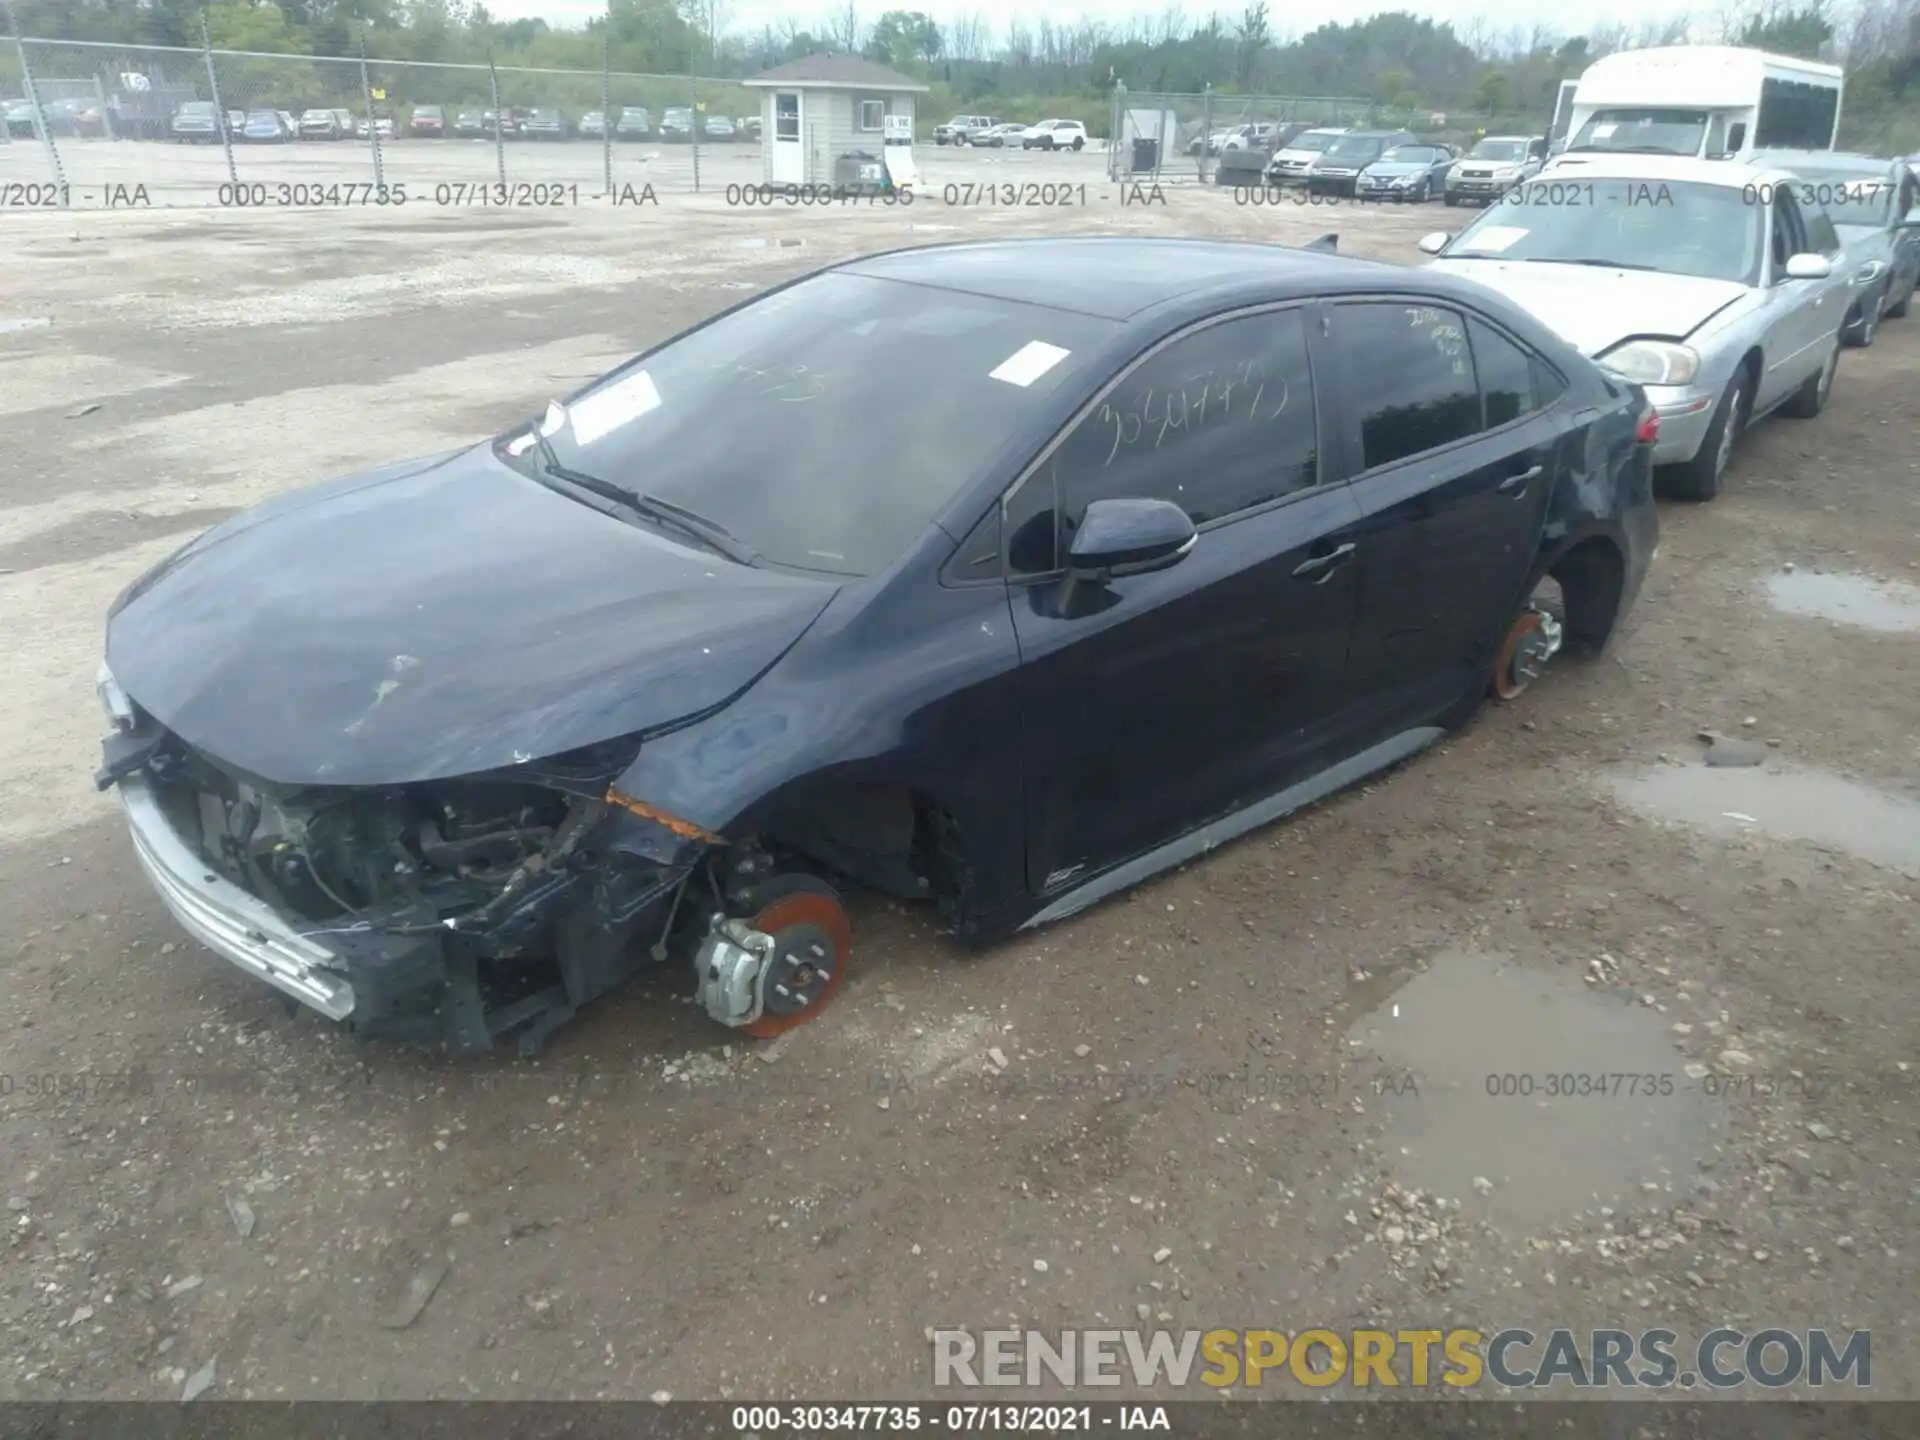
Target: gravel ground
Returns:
[1253, 1092]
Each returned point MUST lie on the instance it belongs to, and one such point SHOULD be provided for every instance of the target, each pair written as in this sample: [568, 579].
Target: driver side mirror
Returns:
[1807, 266]
[1129, 537]
[1434, 243]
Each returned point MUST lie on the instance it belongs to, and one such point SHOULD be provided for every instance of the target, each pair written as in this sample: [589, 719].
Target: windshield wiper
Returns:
[1602, 264]
[663, 513]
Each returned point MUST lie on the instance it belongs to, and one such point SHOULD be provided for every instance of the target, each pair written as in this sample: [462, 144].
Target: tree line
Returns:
[1400, 61]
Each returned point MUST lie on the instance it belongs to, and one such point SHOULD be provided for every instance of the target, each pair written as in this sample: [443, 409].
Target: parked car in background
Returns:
[961, 128]
[236, 121]
[1337, 171]
[627, 654]
[1872, 203]
[507, 122]
[266, 127]
[1209, 143]
[544, 123]
[749, 126]
[1055, 135]
[384, 128]
[471, 124]
[351, 125]
[427, 122]
[319, 125]
[1245, 166]
[1293, 159]
[19, 118]
[1707, 282]
[1412, 174]
[592, 126]
[676, 125]
[291, 121]
[998, 137]
[719, 129]
[198, 122]
[1494, 165]
[635, 123]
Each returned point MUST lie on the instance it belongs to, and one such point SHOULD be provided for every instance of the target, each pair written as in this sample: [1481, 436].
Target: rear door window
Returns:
[1409, 370]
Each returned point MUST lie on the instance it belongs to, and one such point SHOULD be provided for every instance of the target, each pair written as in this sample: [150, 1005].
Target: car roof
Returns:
[1117, 277]
[1670, 168]
[1376, 134]
[1845, 160]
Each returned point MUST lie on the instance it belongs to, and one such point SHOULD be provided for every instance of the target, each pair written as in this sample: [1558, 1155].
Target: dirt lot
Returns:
[1213, 1067]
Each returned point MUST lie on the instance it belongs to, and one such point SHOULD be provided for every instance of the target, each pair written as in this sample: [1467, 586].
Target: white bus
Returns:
[1712, 101]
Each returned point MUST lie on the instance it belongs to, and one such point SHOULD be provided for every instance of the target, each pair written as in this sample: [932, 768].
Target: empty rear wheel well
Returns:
[1591, 576]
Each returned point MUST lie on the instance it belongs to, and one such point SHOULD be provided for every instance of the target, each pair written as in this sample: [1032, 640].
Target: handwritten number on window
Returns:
[1242, 392]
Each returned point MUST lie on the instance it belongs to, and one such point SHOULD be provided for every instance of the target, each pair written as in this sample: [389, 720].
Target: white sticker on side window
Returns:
[1601, 132]
[1493, 239]
[1029, 363]
[607, 410]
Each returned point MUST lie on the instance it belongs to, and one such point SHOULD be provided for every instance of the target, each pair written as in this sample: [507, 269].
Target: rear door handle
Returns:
[1516, 485]
[1323, 566]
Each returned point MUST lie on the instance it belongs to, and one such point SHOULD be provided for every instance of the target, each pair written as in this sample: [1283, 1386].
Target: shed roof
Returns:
[836, 72]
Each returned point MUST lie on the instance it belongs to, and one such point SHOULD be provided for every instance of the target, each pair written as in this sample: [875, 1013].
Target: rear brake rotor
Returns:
[1533, 640]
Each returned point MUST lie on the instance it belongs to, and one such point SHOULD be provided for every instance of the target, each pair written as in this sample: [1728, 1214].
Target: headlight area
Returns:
[468, 912]
[1654, 362]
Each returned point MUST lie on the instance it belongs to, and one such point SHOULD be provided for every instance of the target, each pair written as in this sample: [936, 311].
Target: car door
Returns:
[1453, 442]
[1803, 315]
[1156, 702]
[1906, 239]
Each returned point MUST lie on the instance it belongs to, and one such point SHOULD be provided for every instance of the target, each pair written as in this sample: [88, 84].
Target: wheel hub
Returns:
[799, 971]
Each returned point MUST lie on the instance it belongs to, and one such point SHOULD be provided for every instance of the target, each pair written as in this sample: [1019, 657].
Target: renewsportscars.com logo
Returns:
[1515, 1359]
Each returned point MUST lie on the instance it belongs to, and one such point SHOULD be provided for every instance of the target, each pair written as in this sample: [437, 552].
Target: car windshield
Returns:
[677, 114]
[1408, 155]
[427, 112]
[801, 422]
[1315, 140]
[543, 115]
[1679, 227]
[1850, 197]
[1507, 151]
[265, 117]
[1643, 132]
[192, 107]
[1355, 147]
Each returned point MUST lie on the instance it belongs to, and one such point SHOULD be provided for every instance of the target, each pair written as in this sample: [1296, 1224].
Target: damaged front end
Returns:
[464, 911]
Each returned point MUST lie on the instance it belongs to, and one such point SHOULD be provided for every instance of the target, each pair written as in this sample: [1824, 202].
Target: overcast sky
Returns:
[1295, 18]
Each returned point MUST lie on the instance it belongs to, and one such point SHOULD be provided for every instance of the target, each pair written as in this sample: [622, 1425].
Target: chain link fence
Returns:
[84, 121]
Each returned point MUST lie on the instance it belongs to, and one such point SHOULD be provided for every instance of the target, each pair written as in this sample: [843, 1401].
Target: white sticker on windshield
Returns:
[1493, 239]
[554, 419]
[1029, 363]
[520, 445]
[607, 410]
[1601, 132]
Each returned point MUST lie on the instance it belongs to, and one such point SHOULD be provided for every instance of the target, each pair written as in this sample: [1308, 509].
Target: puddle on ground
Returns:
[1473, 1024]
[1849, 599]
[33, 322]
[1806, 805]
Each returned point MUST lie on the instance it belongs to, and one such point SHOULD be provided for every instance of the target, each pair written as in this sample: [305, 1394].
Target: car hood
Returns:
[437, 618]
[1595, 309]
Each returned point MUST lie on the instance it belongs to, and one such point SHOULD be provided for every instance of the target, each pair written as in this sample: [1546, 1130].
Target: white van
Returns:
[1708, 101]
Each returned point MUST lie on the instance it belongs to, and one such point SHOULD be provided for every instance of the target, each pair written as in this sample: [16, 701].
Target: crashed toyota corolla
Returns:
[997, 576]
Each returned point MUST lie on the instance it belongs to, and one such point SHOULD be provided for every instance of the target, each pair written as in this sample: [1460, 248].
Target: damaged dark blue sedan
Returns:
[997, 576]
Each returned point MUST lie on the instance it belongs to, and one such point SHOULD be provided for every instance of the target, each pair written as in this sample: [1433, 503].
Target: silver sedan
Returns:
[1708, 283]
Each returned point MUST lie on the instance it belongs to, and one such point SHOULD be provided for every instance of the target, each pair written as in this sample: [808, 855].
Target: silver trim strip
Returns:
[1231, 827]
[225, 918]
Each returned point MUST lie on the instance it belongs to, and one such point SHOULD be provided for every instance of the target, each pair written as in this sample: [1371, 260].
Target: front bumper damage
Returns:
[570, 924]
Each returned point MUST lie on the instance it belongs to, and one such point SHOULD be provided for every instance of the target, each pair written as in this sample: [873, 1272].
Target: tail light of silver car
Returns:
[1649, 431]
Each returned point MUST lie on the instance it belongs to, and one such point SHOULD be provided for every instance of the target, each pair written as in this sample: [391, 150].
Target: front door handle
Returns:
[1322, 566]
[1516, 485]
